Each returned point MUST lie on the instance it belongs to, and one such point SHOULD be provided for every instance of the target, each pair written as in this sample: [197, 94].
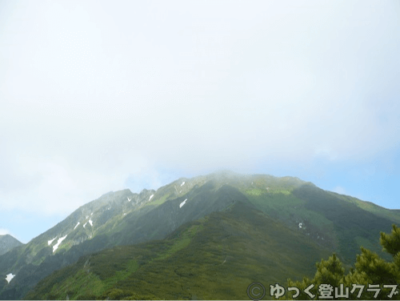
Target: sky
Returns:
[99, 96]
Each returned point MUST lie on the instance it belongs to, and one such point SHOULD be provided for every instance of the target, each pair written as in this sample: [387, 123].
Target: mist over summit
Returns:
[312, 219]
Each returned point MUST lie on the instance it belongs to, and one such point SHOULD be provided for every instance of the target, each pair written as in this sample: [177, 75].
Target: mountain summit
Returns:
[260, 219]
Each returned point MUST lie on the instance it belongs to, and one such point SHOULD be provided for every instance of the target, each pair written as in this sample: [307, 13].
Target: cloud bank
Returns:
[98, 95]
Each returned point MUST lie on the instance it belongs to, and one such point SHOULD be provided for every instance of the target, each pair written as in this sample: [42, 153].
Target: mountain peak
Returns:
[8, 242]
[124, 218]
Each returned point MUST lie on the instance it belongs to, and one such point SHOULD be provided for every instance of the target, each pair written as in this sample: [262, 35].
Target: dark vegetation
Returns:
[369, 269]
[349, 220]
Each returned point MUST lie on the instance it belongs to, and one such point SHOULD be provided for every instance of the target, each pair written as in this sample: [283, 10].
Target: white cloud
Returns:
[96, 94]
[4, 231]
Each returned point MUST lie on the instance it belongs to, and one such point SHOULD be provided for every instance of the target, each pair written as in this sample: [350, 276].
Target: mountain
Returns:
[7, 242]
[328, 221]
[214, 257]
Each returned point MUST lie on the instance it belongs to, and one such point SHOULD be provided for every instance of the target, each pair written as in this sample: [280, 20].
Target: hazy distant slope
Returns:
[7, 242]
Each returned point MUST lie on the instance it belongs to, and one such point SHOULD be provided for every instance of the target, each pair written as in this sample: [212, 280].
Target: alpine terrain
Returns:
[207, 237]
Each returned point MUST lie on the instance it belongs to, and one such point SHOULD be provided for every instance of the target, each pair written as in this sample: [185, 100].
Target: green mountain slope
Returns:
[393, 215]
[51, 250]
[215, 257]
[334, 222]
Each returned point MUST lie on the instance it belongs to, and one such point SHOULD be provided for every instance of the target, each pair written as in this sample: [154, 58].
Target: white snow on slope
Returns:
[151, 197]
[300, 225]
[90, 222]
[55, 247]
[84, 225]
[183, 203]
[10, 277]
[183, 183]
[129, 199]
[91, 214]
[77, 225]
[87, 216]
[49, 242]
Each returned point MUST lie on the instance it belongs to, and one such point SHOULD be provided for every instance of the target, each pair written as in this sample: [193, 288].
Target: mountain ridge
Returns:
[123, 217]
[191, 262]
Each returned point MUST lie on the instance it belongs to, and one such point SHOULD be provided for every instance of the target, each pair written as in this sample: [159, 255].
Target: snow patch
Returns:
[90, 222]
[49, 242]
[55, 247]
[77, 225]
[87, 216]
[129, 199]
[10, 277]
[183, 203]
[84, 225]
[91, 214]
[183, 183]
[300, 225]
[151, 197]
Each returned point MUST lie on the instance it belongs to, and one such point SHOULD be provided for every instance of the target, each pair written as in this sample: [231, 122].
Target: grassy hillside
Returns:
[330, 221]
[215, 257]
[340, 223]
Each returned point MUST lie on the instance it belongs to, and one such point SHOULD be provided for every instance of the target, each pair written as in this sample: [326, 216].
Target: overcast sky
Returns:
[98, 96]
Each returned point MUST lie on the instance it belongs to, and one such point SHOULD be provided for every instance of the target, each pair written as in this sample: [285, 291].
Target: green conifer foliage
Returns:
[330, 271]
[391, 242]
[369, 270]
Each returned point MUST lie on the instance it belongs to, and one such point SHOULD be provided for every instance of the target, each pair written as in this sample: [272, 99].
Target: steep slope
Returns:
[341, 223]
[145, 223]
[393, 215]
[115, 218]
[44, 254]
[7, 242]
[215, 257]
[334, 222]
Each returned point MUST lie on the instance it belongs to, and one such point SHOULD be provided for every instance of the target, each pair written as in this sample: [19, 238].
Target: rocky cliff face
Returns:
[7, 242]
